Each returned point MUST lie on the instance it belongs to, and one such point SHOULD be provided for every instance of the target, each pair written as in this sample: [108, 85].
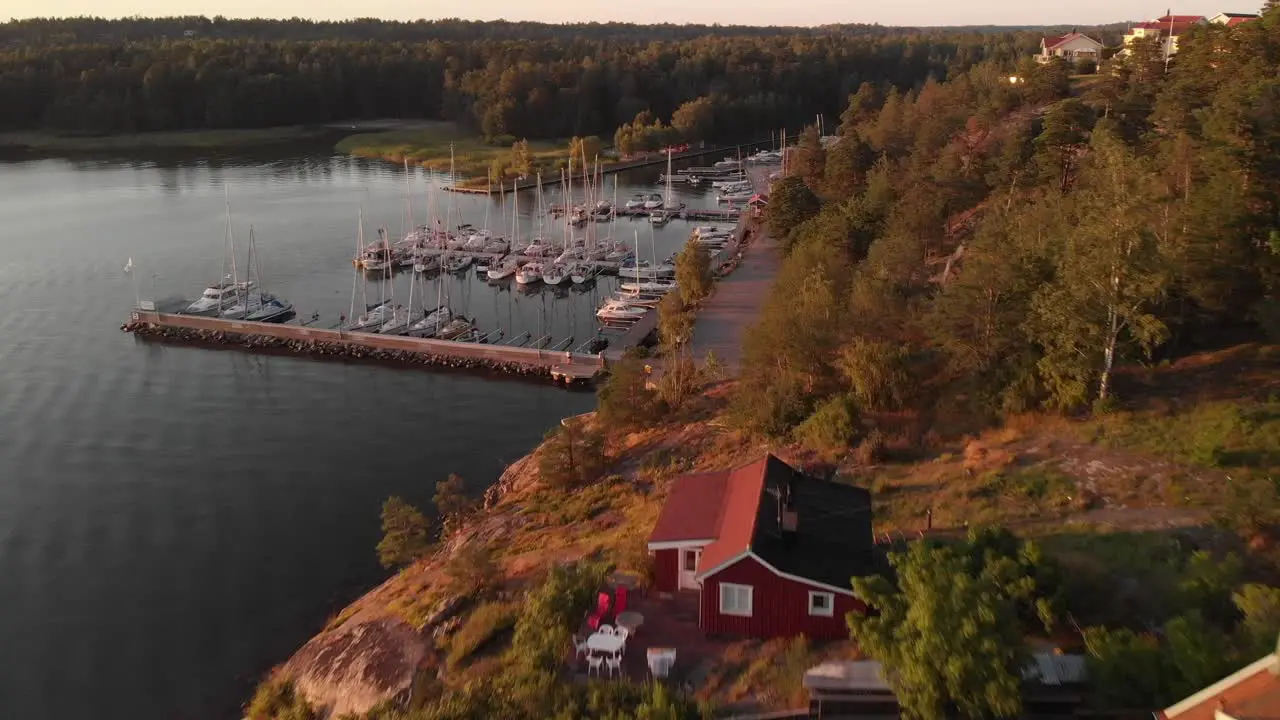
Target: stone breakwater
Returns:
[339, 350]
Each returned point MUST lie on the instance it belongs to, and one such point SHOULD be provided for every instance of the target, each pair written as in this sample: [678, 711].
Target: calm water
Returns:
[174, 521]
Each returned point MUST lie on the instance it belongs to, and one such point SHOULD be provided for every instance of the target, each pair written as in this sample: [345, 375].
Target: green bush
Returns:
[487, 622]
[831, 427]
[876, 372]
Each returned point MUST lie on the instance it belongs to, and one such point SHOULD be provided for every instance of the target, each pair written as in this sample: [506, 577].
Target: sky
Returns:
[727, 12]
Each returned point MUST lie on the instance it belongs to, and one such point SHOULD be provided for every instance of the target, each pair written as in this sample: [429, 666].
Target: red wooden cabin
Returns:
[770, 549]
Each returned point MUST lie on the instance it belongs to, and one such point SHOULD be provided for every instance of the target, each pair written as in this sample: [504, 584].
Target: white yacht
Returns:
[734, 197]
[635, 203]
[614, 309]
[529, 274]
[654, 202]
[659, 218]
[218, 297]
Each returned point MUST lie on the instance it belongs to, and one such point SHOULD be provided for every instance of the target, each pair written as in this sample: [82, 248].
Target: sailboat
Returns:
[223, 294]
[372, 316]
[260, 307]
[508, 265]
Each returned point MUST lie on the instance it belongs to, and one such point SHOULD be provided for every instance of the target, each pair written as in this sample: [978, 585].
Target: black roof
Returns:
[833, 540]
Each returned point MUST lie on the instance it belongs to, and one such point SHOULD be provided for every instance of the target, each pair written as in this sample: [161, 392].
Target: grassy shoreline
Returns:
[428, 145]
[161, 140]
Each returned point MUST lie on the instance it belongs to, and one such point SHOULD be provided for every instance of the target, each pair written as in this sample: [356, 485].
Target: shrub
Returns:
[771, 411]
[488, 621]
[831, 427]
[278, 699]
[1086, 67]
[876, 372]
[472, 570]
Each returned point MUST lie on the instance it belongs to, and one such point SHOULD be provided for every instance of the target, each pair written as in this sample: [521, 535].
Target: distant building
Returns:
[1070, 47]
[1052, 686]
[1233, 19]
[1168, 28]
[769, 550]
[1252, 693]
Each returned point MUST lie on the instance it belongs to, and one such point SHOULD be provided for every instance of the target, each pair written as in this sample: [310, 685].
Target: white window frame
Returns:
[829, 610]
[735, 588]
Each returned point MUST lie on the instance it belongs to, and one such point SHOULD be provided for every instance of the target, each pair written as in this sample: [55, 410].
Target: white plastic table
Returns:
[607, 644]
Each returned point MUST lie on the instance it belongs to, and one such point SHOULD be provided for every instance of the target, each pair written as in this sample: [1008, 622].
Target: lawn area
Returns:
[175, 140]
[428, 146]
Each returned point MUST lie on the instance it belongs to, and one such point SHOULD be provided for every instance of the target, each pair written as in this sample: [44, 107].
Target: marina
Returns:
[555, 259]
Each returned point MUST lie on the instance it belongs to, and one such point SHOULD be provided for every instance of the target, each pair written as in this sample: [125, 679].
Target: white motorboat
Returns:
[555, 274]
[614, 309]
[476, 241]
[734, 197]
[537, 247]
[432, 322]
[529, 274]
[218, 297]
[635, 203]
[659, 217]
[272, 309]
[653, 202]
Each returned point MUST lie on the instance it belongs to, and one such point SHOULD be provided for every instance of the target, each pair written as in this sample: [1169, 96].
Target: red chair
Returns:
[620, 595]
[602, 610]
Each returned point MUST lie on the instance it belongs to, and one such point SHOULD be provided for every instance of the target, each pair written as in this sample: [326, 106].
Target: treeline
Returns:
[981, 246]
[562, 87]
[84, 30]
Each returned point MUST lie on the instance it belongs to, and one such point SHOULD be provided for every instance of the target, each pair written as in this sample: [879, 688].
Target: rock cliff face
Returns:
[358, 665]
[374, 655]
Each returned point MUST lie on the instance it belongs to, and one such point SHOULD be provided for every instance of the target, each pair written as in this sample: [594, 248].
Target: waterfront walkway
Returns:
[724, 317]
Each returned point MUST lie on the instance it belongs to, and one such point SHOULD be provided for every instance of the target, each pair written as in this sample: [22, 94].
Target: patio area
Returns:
[669, 622]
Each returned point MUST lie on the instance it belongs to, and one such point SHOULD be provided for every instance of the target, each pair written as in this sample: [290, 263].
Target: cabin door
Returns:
[689, 568]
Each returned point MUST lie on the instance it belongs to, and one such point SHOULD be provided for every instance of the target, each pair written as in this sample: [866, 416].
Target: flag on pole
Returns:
[128, 267]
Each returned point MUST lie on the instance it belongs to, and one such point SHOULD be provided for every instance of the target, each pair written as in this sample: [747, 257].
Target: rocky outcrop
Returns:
[358, 665]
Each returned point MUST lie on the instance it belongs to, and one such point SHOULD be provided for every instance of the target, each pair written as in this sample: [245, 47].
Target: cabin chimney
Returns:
[788, 517]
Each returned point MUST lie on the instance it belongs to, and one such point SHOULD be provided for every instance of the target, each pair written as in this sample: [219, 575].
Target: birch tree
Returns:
[1100, 302]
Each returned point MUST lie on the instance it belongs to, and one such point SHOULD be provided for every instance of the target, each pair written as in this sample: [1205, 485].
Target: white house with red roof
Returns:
[1233, 19]
[1168, 28]
[770, 551]
[1070, 47]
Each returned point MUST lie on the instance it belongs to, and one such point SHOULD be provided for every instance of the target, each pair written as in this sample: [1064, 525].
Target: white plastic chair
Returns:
[615, 664]
[623, 633]
[593, 663]
[605, 630]
[579, 646]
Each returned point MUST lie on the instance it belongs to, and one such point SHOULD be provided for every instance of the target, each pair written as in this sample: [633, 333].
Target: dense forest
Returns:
[520, 80]
[987, 246]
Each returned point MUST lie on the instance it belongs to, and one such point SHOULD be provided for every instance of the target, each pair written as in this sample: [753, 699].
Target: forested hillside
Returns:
[979, 246]
[521, 80]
